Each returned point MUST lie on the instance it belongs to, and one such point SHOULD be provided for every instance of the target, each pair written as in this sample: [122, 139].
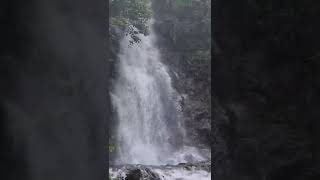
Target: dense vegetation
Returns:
[131, 16]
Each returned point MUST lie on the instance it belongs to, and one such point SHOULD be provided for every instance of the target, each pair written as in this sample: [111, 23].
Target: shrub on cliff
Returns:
[132, 16]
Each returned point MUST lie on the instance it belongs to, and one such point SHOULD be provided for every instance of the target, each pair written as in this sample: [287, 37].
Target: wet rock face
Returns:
[115, 34]
[183, 171]
[135, 172]
[184, 41]
[134, 175]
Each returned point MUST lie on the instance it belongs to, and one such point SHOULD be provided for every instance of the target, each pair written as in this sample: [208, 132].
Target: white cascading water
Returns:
[145, 103]
[150, 129]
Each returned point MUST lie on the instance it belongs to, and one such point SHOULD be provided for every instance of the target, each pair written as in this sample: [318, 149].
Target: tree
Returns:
[131, 15]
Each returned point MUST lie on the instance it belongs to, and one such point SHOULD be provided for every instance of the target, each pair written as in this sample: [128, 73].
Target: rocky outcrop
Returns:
[137, 172]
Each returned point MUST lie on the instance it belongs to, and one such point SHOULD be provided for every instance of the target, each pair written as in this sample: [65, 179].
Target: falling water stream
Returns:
[150, 128]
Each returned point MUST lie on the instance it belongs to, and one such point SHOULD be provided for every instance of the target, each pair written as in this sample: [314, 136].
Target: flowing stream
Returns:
[150, 128]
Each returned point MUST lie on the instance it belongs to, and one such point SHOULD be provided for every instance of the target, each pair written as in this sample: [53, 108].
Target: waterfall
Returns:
[150, 129]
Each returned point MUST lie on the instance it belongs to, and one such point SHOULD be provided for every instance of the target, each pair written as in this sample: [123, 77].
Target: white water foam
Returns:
[183, 174]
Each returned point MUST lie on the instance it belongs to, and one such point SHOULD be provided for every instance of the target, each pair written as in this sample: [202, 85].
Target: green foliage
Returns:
[120, 22]
[111, 148]
[131, 15]
[183, 3]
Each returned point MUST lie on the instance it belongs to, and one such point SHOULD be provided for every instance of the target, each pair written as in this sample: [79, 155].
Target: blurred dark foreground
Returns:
[53, 89]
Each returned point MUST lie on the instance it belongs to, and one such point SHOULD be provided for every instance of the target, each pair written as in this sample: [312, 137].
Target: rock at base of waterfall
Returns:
[134, 172]
[183, 171]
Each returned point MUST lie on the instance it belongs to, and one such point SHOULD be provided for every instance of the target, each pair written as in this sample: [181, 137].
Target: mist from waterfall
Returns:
[150, 128]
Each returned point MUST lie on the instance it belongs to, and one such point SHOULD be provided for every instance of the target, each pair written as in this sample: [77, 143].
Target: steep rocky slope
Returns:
[183, 29]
